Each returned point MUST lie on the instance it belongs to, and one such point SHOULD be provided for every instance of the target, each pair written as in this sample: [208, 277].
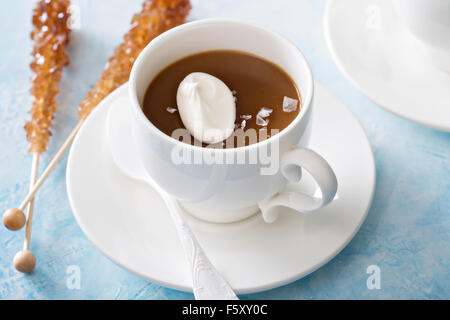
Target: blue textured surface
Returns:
[407, 232]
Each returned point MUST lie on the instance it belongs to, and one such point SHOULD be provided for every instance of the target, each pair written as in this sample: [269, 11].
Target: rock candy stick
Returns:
[155, 17]
[50, 36]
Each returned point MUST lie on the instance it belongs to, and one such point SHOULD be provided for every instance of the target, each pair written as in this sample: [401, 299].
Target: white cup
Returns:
[229, 191]
[429, 21]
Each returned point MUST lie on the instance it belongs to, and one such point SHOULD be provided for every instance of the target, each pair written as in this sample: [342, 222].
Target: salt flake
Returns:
[171, 110]
[264, 112]
[289, 104]
[261, 121]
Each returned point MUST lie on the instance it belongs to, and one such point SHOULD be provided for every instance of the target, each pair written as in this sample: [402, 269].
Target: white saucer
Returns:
[383, 60]
[129, 223]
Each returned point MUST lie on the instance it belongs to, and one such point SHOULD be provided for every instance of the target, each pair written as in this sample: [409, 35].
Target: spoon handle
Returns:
[207, 283]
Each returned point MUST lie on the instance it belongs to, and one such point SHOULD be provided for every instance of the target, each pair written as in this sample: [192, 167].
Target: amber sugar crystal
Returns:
[155, 17]
[50, 35]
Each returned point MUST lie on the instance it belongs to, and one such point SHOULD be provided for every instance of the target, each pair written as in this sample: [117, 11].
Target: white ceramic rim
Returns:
[135, 105]
[373, 98]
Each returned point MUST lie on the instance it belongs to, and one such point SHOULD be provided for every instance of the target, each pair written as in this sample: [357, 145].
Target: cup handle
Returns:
[291, 167]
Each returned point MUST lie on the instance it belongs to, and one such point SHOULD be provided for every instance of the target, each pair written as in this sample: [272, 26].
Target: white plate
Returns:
[128, 222]
[385, 62]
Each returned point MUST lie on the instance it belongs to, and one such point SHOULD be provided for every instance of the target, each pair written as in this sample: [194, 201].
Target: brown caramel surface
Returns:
[256, 83]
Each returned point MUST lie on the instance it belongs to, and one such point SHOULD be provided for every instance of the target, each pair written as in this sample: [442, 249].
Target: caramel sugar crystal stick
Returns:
[50, 35]
[155, 17]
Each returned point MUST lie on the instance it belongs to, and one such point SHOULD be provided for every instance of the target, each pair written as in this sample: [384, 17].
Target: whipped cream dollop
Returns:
[207, 107]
